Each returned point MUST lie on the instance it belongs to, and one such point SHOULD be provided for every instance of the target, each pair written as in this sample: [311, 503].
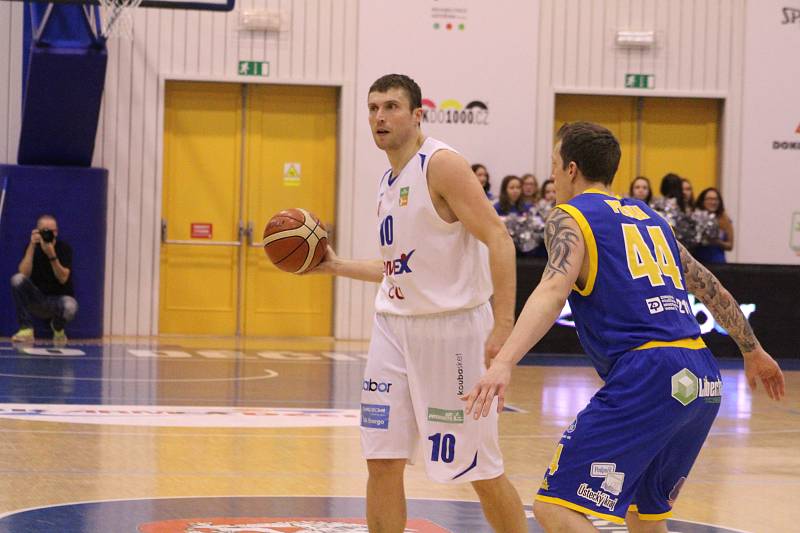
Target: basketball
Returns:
[295, 241]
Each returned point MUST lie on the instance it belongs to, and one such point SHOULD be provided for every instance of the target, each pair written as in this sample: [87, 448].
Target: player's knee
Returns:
[70, 306]
[637, 525]
[386, 468]
[548, 515]
[17, 280]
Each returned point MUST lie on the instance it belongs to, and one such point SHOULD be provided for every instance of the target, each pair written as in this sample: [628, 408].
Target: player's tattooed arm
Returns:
[704, 285]
[560, 238]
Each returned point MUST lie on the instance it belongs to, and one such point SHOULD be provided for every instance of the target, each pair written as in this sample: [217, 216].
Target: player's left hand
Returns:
[760, 366]
[496, 339]
[493, 383]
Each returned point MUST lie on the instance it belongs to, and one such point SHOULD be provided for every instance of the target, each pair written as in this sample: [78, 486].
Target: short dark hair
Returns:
[702, 198]
[672, 187]
[593, 148]
[399, 81]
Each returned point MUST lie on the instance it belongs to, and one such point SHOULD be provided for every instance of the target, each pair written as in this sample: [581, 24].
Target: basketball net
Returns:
[117, 17]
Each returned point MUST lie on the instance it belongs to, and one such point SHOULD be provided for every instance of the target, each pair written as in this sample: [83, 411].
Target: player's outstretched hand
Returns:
[327, 265]
[759, 365]
[493, 383]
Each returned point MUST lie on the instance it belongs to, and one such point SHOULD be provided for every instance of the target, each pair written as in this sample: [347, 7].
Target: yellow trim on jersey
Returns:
[691, 344]
[598, 191]
[591, 246]
[576, 507]
[650, 517]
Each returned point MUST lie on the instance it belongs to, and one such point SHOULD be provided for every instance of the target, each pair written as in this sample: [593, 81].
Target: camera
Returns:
[47, 235]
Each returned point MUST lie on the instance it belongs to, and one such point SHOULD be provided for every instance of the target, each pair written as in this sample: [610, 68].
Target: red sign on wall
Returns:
[201, 230]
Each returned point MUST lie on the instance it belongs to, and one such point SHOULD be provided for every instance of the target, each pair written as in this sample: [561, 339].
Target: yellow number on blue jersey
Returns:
[641, 262]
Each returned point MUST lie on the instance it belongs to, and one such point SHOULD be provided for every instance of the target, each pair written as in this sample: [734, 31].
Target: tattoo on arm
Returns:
[560, 240]
[704, 285]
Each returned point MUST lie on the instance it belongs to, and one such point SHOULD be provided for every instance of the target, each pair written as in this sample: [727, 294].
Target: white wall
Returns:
[770, 185]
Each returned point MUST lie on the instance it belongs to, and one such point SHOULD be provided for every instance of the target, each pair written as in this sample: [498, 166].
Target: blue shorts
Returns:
[632, 447]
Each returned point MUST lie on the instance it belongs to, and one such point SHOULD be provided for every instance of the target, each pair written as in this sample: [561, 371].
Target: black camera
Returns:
[47, 235]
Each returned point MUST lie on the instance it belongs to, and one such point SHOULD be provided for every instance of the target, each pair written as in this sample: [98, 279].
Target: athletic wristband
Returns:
[54, 258]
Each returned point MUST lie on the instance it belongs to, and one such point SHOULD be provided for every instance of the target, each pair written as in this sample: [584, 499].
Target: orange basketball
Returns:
[295, 241]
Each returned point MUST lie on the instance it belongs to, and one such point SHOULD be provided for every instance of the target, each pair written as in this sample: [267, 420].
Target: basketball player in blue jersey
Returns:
[446, 253]
[627, 454]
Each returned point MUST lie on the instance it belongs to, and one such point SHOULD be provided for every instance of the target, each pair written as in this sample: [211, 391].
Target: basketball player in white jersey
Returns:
[445, 254]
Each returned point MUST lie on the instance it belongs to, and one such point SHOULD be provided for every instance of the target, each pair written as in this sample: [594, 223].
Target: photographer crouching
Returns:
[43, 286]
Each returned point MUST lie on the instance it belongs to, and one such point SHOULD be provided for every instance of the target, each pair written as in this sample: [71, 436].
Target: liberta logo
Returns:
[453, 112]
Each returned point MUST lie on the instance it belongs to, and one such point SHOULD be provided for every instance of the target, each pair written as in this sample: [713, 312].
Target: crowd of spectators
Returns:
[701, 225]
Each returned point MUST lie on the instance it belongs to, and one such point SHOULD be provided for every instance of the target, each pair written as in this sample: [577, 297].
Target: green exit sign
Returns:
[254, 68]
[640, 81]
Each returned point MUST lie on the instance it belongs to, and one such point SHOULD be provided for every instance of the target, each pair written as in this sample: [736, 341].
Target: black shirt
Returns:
[42, 274]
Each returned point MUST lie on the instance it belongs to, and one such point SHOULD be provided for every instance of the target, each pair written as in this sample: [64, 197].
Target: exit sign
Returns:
[640, 81]
[254, 68]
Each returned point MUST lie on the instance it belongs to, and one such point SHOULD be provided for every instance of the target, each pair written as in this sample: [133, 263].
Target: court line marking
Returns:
[268, 375]
[116, 500]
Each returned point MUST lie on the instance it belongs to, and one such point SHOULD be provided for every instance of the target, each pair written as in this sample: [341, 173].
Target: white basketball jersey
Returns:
[430, 266]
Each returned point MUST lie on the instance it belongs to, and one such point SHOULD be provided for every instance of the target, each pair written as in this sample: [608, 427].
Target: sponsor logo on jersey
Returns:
[460, 373]
[613, 483]
[374, 416]
[373, 386]
[612, 480]
[598, 497]
[404, 196]
[686, 388]
[602, 469]
[397, 267]
[676, 490]
[396, 294]
[572, 426]
[659, 304]
[446, 416]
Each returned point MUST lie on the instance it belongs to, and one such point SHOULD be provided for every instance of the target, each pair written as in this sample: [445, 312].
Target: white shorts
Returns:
[417, 369]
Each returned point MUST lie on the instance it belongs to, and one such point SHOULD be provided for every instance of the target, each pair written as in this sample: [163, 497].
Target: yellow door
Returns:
[678, 135]
[291, 162]
[618, 114]
[201, 205]
[681, 135]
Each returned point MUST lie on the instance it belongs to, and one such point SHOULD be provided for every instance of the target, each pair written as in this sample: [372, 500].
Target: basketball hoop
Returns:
[117, 18]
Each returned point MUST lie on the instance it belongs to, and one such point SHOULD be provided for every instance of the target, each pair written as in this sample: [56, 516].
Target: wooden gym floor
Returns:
[221, 435]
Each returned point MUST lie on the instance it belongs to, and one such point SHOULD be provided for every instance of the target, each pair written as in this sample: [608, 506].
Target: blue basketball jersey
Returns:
[635, 293]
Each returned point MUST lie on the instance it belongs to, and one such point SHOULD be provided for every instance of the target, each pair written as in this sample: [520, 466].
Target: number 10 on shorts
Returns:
[444, 447]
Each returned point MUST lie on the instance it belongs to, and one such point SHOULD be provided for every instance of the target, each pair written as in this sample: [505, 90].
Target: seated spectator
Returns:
[688, 194]
[43, 285]
[511, 201]
[530, 189]
[522, 222]
[672, 206]
[710, 215]
[641, 190]
[483, 176]
[547, 199]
